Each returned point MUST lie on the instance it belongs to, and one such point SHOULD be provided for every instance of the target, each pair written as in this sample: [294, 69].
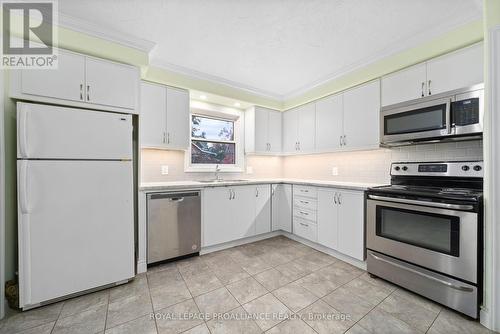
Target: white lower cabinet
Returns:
[232, 213]
[305, 229]
[281, 202]
[341, 221]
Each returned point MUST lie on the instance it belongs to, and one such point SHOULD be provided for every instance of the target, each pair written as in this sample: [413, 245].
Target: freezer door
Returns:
[75, 227]
[48, 132]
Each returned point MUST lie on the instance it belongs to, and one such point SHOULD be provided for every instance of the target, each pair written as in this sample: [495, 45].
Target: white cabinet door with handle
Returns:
[290, 128]
[328, 208]
[153, 112]
[351, 224]
[404, 85]
[282, 207]
[306, 128]
[329, 123]
[262, 209]
[67, 82]
[111, 84]
[177, 136]
[274, 131]
[218, 208]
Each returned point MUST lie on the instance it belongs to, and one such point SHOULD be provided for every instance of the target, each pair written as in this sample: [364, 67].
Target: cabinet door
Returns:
[404, 85]
[329, 120]
[351, 224]
[362, 116]
[282, 207]
[456, 70]
[306, 129]
[111, 84]
[66, 82]
[327, 218]
[153, 119]
[261, 129]
[262, 209]
[218, 225]
[274, 131]
[290, 127]
[243, 212]
[177, 118]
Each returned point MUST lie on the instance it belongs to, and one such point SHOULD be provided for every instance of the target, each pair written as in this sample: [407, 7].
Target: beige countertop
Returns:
[176, 185]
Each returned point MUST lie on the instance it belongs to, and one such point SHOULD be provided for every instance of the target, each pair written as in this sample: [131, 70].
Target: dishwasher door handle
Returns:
[176, 199]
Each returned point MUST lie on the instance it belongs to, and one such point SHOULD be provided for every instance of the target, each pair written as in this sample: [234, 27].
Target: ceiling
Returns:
[275, 48]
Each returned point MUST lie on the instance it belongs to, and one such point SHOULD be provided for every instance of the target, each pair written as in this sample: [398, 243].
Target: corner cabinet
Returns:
[164, 118]
[458, 69]
[262, 131]
[81, 81]
[281, 204]
[341, 221]
[236, 212]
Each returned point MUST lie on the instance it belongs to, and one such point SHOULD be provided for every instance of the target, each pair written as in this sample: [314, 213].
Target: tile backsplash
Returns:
[359, 166]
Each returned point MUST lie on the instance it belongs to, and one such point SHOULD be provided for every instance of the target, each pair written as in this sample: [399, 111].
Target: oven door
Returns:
[441, 239]
[419, 121]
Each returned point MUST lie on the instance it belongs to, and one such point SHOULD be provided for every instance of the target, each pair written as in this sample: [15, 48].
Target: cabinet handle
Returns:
[429, 87]
[304, 202]
[340, 140]
[234, 193]
[304, 190]
[298, 146]
[335, 198]
[168, 137]
[163, 139]
[423, 86]
[272, 191]
[306, 225]
[340, 199]
[81, 91]
[88, 92]
[345, 141]
[304, 213]
[256, 192]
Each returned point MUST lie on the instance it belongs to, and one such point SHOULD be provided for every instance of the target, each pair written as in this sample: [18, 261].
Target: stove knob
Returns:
[465, 168]
[405, 168]
[397, 168]
[477, 168]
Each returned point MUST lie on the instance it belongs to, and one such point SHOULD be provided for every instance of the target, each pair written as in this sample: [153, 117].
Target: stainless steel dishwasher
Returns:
[174, 225]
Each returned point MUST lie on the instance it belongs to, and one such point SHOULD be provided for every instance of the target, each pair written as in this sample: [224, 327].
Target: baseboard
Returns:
[142, 267]
[329, 251]
[239, 242]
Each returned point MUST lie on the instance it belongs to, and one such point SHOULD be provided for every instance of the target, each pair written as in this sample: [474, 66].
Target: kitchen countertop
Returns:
[175, 185]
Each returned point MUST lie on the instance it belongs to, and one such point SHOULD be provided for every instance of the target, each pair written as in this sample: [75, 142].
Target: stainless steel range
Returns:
[425, 231]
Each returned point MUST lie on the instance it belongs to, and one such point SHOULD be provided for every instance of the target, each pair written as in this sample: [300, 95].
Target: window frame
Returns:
[221, 113]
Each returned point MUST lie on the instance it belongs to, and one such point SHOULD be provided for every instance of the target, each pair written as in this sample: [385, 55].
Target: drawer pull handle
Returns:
[306, 225]
[303, 213]
[304, 202]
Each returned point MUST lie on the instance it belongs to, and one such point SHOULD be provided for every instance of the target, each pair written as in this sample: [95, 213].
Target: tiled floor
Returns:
[286, 287]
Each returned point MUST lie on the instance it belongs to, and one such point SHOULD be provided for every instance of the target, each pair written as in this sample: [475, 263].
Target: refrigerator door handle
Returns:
[22, 132]
[23, 191]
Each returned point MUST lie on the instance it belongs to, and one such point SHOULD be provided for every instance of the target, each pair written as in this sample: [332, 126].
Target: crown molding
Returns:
[93, 29]
[400, 46]
[214, 79]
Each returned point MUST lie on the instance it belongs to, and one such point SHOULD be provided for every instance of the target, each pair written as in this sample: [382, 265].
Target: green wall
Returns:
[94, 46]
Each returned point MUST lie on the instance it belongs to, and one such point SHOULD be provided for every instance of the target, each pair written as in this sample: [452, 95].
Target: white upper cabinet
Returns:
[153, 119]
[290, 128]
[408, 84]
[164, 117]
[456, 70]
[329, 123]
[111, 84]
[81, 81]
[66, 83]
[306, 127]
[177, 118]
[362, 116]
[262, 130]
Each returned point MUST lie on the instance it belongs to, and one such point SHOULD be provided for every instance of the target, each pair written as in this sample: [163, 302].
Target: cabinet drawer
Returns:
[305, 214]
[305, 203]
[305, 229]
[305, 191]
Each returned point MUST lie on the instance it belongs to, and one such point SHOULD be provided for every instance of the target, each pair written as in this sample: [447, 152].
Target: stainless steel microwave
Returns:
[454, 115]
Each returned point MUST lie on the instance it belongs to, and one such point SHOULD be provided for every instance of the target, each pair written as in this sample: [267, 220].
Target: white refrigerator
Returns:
[75, 201]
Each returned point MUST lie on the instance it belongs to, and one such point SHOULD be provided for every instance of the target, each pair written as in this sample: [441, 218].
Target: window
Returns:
[212, 141]
[216, 139]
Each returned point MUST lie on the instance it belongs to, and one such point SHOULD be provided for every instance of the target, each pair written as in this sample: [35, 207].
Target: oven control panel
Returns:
[455, 168]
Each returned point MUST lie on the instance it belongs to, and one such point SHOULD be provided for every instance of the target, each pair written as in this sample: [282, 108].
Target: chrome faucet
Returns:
[217, 171]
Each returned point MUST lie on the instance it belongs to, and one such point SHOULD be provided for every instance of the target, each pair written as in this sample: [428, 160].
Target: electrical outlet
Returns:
[335, 171]
[164, 170]
[249, 170]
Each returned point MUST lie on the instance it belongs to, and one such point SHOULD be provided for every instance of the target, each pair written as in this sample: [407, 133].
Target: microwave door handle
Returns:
[448, 116]
[424, 203]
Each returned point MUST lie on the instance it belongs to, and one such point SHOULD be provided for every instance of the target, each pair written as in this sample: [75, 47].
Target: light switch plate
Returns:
[164, 170]
[249, 170]
[335, 171]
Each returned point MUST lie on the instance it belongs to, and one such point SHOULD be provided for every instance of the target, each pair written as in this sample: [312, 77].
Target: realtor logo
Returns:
[28, 34]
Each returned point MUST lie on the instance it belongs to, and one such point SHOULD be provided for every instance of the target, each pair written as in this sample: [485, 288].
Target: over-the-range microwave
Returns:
[454, 115]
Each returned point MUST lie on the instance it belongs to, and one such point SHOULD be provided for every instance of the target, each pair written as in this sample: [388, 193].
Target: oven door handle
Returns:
[448, 284]
[431, 204]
